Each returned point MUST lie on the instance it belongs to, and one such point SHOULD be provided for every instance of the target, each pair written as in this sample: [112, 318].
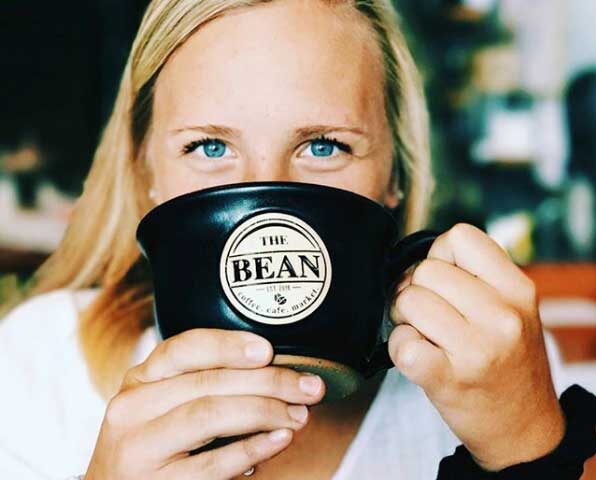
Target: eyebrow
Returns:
[298, 134]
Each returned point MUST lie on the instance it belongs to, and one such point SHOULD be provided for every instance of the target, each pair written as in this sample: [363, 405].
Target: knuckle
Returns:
[472, 366]
[200, 381]
[269, 411]
[117, 411]
[404, 355]
[483, 361]
[510, 326]
[221, 340]
[277, 379]
[225, 342]
[191, 336]
[399, 336]
[203, 381]
[171, 347]
[443, 238]
[211, 406]
[423, 271]
[263, 407]
[249, 449]
[129, 379]
[181, 346]
[462, 231]
[406, 299]
[203, 410]
[210, 467]
[528, 287]
[224, 338]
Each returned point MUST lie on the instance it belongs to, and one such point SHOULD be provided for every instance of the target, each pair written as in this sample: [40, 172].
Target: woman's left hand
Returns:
[468, 332]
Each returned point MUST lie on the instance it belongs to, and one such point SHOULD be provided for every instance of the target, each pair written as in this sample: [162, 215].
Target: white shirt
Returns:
[50, 413]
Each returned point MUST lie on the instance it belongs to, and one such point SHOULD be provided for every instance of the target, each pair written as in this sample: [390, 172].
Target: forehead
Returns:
[289, 56]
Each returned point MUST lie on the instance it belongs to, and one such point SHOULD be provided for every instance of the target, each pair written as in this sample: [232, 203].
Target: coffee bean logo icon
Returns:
[280, 298]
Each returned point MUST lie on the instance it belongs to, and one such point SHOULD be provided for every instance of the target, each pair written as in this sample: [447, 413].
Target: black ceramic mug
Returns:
[311, 268]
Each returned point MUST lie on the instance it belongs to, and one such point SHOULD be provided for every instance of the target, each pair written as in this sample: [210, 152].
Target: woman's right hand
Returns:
[195, 387]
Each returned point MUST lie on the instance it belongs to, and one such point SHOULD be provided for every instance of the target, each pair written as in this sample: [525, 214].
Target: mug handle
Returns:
[405, 253]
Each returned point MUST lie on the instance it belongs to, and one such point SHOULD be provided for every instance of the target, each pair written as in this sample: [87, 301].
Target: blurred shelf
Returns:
[577, 344]
[567, 293]
[564, 279]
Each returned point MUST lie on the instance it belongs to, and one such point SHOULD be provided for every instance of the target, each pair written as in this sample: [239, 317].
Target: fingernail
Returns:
[256, 351]
[311, 385]
[279, 436]
[298, 413]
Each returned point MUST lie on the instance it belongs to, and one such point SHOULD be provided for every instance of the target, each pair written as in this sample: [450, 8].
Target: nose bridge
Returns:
[267, 167]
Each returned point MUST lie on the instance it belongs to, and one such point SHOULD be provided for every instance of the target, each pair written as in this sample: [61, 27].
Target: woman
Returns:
[221, 92]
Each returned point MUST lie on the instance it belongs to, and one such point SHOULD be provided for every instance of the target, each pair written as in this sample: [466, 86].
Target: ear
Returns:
[392, 196]
[148, 163]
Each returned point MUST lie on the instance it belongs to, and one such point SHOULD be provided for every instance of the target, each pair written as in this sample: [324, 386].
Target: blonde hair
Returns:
[99, 248]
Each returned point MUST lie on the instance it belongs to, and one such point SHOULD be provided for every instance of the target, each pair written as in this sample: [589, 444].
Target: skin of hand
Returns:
[194, 387]
[468, 332]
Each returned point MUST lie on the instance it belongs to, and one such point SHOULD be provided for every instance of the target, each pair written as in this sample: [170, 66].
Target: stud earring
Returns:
[153, 194]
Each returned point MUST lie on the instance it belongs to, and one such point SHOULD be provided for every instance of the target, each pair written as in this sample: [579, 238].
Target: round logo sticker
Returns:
[275, 269]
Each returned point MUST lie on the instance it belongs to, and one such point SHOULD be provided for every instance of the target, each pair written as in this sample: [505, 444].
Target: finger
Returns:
[275, 382]
[432, 316]
[198, 422]
[201, 349]
[477, 301]
[405, 282]
[472, 250]
[420, 361]
[229, 461]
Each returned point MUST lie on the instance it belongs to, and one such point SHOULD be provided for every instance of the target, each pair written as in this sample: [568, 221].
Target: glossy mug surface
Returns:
[311, 268]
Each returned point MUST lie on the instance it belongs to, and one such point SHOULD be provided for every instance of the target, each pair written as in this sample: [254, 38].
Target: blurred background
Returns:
[511, 87]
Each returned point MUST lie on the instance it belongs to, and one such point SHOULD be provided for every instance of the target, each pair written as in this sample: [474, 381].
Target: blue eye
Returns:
[212, 147]
[320, 149]
[324, 147]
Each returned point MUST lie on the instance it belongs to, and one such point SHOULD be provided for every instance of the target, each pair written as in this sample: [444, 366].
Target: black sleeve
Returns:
[566, 462]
